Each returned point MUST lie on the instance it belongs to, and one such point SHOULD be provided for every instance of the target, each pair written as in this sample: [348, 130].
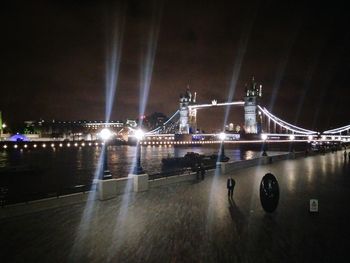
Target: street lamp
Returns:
[105, 135]
[222, 137]
[139, 134]
[264, 138]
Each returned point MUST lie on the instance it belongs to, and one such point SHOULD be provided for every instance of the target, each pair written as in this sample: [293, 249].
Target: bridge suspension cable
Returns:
[156, 130]
[284, 124]
[338, 130]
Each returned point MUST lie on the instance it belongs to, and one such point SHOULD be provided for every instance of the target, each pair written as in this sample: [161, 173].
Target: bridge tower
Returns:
[188, 117]
[252, 95]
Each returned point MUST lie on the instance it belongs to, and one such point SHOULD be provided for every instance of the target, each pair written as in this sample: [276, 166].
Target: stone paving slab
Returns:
[195, 222]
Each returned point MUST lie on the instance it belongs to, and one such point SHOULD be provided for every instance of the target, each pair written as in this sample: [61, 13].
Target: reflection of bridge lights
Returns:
[263, 136]
[291, 137]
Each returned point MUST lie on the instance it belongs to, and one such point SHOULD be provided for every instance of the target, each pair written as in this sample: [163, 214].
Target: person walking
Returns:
[230, 186]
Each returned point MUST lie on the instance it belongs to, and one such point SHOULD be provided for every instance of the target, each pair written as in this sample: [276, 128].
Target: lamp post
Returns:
[105, 135]
[2, 128]
[222, 137]
[139, 134]
[264, 138]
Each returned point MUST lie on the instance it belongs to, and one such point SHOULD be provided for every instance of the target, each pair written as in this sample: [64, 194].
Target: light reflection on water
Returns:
[66, 167]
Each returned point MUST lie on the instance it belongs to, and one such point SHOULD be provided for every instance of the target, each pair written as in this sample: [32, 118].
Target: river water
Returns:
[59, 169]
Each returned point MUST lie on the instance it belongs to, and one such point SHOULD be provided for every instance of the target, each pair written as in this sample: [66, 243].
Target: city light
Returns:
[139, 134]
[222, 136]
[105, 134]
[263, 136]
[291, 137]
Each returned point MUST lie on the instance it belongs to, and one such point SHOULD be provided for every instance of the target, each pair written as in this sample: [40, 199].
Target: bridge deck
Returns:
[195, 222]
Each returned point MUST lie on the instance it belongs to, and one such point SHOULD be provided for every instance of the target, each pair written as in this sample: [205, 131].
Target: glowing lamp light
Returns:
[3, 125]
[25, 146]
[323, 137]
[222, 136]
[264, 137]
[34, 145]
[60, 144]
[333, 138]
[44, 145]
[75, 144]
[139, 134]
[310, 137]
[52, 145]
[15, 146]
[105, 134]
[5, 146]
[83, 144]
[68, 144]
[291, 137]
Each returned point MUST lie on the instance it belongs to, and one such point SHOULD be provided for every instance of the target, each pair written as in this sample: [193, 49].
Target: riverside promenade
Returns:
[196, 222]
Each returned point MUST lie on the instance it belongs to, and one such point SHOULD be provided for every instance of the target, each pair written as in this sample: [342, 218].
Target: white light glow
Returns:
[139, 134]
[263, 136]
[292, 137]
[105, 134]
[222, 136]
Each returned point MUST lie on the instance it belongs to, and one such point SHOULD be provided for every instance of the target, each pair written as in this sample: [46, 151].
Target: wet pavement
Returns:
[196, 222]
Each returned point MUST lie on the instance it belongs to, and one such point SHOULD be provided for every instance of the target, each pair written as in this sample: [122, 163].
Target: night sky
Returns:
[55, 56]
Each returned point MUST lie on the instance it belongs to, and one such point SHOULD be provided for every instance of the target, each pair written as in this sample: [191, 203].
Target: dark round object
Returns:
[269, 192]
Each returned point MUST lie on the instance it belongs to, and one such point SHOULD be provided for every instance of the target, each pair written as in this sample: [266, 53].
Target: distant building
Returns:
[72, 130]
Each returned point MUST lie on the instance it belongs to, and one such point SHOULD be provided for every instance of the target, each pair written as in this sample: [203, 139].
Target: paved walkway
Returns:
[195, 222]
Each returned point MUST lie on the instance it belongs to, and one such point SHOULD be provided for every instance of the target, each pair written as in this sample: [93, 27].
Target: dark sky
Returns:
[54, 56]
